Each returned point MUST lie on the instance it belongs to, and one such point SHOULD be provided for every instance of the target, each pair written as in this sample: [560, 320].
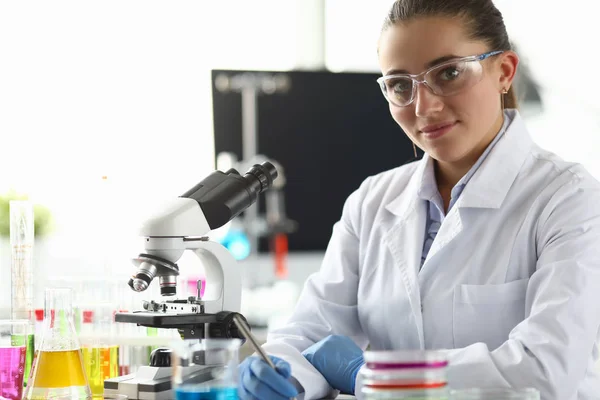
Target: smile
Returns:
[436, 131]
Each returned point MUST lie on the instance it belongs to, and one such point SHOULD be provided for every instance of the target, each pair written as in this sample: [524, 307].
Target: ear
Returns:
[509, 60]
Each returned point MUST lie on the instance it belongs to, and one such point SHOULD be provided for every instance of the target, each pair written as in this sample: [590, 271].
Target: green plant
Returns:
[42, 222]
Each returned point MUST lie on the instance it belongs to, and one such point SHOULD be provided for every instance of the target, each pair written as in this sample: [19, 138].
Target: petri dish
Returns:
[405, 359]
[421, 394]
[404, 378]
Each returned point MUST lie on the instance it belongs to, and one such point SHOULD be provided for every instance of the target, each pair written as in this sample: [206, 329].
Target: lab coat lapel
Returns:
[404, 239]
[492, 181]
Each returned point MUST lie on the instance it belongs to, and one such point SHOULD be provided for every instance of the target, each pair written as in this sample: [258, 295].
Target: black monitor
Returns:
[329, 131]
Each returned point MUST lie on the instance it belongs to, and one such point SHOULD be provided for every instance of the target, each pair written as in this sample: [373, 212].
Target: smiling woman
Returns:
[487, 248]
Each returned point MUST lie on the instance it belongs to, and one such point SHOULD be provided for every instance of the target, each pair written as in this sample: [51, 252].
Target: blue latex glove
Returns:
[259, 381]
[338, 359]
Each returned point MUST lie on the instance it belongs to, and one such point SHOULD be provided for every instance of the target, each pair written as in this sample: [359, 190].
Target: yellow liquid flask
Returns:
[58, 371]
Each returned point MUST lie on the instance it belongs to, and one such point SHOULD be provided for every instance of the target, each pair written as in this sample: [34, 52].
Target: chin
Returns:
[446, 154]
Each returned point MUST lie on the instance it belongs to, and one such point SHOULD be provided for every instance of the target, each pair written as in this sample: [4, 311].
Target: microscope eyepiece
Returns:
[224, 195]
[265, 173]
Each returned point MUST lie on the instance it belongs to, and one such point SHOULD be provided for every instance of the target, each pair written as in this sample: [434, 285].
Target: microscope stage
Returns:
[162, 320]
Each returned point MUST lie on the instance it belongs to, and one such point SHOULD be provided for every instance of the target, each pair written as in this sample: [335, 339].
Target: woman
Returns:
[488, 247]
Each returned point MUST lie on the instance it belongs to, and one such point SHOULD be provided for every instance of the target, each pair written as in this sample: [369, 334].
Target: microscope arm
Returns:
[225, 289]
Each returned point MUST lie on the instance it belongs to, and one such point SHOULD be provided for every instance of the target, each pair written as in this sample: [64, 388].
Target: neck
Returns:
[448, 174]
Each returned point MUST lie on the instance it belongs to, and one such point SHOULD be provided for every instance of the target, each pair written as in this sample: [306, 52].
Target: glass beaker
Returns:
[205, 369]
[495, 394]
[58, 371]
[13, 351]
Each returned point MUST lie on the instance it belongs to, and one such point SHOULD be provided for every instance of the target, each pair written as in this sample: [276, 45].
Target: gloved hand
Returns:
[338, 359]
[259, 381]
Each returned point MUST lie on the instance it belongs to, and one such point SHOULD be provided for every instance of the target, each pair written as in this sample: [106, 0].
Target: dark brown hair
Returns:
[483, 22]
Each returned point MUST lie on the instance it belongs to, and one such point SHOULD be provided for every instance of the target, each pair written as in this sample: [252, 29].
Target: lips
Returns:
[434, 131]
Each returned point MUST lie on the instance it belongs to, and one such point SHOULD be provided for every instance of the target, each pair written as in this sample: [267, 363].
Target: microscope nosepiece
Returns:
[141, 280]
[148, 268]
[139, 284]
[168, 285]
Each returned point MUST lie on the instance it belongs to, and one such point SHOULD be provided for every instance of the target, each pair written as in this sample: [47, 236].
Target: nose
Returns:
[426, 102]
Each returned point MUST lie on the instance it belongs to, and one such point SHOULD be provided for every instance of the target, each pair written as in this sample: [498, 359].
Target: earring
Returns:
[504, 91]
[415, 150]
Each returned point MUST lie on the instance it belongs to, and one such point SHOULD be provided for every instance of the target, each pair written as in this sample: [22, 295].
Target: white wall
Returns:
[559, 41]
[119, 89]
[352, 32]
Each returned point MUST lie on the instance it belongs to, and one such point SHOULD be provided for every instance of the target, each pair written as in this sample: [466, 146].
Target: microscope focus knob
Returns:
[225, 327]
[160, 357]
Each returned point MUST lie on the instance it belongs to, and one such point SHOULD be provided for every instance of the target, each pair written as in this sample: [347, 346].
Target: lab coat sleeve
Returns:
[551, 349]
[327, 305]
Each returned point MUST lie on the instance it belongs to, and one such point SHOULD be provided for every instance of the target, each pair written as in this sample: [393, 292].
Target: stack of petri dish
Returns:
[404, 374]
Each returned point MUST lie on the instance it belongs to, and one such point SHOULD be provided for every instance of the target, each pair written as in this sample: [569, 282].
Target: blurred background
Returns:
[109, 108]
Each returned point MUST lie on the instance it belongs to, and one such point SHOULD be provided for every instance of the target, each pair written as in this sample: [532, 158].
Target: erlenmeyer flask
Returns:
[58, 371]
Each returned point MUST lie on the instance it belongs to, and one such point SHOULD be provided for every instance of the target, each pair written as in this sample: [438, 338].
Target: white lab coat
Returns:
[511, 284]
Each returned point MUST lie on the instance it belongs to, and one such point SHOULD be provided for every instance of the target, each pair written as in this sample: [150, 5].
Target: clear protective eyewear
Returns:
[445, 79]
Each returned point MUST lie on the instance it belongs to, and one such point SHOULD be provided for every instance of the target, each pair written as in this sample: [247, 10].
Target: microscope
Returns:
[181, 225]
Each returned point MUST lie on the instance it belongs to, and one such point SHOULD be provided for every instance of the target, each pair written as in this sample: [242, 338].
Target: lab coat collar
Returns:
[489, 185]
[403, 204]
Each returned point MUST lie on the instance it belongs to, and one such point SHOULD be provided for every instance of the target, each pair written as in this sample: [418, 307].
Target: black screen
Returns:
[329, 131]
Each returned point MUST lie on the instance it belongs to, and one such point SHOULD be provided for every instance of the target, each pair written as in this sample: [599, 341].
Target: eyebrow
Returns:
[430, 64]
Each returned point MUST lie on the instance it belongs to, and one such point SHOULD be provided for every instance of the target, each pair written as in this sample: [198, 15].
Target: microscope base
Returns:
[152, 383]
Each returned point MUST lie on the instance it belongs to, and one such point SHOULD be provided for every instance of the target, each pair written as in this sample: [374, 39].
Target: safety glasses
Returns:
[445, 79]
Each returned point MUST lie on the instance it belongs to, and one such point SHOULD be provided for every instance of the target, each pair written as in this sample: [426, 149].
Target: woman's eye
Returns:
[401, 86]
[449, 73]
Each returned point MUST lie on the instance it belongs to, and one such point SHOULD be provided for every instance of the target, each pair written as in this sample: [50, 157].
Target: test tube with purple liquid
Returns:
[13, 351]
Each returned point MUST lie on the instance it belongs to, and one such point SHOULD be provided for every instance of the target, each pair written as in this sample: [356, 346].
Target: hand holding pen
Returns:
[265, 377]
